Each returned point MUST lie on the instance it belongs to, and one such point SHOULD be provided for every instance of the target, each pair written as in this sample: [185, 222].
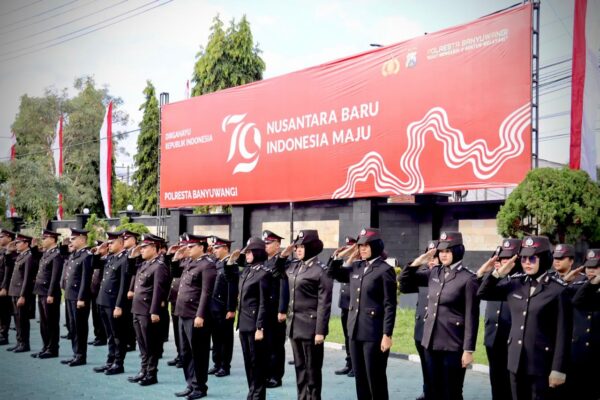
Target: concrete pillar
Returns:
[176, 223]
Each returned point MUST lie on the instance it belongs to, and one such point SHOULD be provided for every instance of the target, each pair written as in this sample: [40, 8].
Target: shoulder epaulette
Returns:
[558, 280]
[518, 275]
[463, 268]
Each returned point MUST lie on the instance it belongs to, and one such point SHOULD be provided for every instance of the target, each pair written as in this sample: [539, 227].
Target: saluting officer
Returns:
[497, 322]
[99, 332]
[112, 296]
[541, 315]
[150, 295]
[178, 262]
[588, 295]
[373, 303]
[280, 298]
[452, 317]
[585, 345]
[420, 311]
[47, 288]
[193, 308]
[78, 278]
[310, 308]
[564, 258]
[222, 307]
[253, 321]
[344, 305]
[130, 240]
[21, 290]
[7, 263]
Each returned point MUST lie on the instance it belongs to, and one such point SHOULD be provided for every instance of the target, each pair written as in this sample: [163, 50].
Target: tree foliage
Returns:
[31, 177]
[97, 229]
[82, 155]
[31, 184]
[145, 177]
[136, 227]
[122, 195]
[564, 204]
[229, 59]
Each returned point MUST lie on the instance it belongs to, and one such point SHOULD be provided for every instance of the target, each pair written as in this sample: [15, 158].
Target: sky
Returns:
[124, 43]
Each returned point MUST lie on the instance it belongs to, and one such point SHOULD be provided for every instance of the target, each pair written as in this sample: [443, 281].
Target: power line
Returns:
[44, 19]
[20, 8]
[76, 144]
[37, 15]
[57, 27]
[91, 31]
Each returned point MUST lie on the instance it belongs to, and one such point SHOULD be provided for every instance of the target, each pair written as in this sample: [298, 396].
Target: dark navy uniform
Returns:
[588, 296]
[100, 334]
[497, 324]
[310, 308]
[372, 315]
[47, 283]
[540, 333]
[7, 263]
[585, 349]
[280, 298]
[112, 293]
[78, 277]
[420, 311]
[254, 296]
[21, 285]
[223, 300]
[195, 291]
[150, 297]
[177, 267]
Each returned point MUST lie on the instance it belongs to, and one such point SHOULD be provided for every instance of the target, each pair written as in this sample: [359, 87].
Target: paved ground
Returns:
[23, 377]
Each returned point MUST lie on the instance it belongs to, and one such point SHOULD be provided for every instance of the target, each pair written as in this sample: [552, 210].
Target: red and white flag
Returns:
[106, 160]
[585, 91]
[11, 211]
[57, 153]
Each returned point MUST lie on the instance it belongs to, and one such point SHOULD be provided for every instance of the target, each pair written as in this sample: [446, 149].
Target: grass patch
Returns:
[403, 341]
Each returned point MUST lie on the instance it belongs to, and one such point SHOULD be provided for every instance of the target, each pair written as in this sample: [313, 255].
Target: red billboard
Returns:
[445, 111]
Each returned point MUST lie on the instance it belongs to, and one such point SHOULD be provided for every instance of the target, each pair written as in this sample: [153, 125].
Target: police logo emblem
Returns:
[558, 248]
[301, 234]
[506, 243]
[591, 254]
[363, 232]
[212, 240]
[443, 236]
[347, 240]
[431, 245]
[265, 235]
[529, 242]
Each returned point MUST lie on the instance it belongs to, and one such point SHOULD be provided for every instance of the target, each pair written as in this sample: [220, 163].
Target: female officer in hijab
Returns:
[452, 318]
[254, 293]
[540, 310]
[372, 311]
[497, 321]
[310, 307]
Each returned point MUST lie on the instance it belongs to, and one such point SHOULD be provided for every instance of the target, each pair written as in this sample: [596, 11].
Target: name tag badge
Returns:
[518, 296]
[435, 280]
[355, 276]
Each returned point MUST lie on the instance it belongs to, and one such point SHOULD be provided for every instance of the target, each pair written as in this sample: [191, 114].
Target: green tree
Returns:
[229, 59]
[145, 178]
[122, 196]
[564, 204]
[82, 149]
[31, 184]
[136, 227]
[97, 229]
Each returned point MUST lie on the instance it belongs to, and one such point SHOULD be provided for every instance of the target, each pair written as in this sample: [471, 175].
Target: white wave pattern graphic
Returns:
[485, 162]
